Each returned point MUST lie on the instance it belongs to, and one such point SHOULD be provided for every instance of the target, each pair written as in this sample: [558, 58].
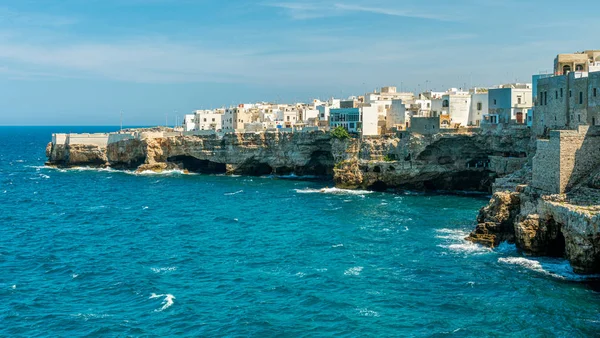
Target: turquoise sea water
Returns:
[107, 253]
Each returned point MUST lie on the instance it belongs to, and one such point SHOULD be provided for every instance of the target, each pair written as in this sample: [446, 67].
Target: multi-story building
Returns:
[567, 101]
[362, 120]
[509, 103]
[188, 122]
[208, 119]
[587, 61]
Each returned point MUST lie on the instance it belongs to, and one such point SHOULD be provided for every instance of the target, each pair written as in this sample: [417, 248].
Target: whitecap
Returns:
[334, 191]
[337, 245]
[233, 193]
[88, 316]
[300, 274]
[144, 208]
[467, 247]
[456, 242]
[368, 313]
[556, 268]
[14, 286]
[74, 275]
[166, 269]
[355, 271]
[172, 172]
[166, 303]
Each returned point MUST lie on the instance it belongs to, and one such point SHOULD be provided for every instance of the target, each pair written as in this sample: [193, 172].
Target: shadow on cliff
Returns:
[195, 165]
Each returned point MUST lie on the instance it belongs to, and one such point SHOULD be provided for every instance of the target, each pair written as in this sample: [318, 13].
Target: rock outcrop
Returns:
[565, 225]
[449, 161]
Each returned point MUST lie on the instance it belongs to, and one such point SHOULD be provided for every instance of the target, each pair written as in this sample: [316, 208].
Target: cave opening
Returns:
[193, 164]
[252, 167]
[556, 244]
[320, 164]
[378, 186]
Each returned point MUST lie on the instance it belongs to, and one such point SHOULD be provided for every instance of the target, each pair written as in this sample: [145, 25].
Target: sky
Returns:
[82, 62]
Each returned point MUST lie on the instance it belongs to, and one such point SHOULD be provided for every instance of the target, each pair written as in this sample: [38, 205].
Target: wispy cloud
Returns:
[391, 11]
[314, 10]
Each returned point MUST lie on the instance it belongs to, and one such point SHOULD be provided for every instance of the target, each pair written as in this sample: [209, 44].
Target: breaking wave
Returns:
[334, 191]
[166, 303]
[560, 269]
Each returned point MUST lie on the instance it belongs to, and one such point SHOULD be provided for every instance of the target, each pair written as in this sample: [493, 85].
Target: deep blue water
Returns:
[86, 252]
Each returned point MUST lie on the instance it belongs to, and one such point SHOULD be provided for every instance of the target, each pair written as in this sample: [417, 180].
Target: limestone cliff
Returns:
[563, 225]
[448, 161]
[236, 153]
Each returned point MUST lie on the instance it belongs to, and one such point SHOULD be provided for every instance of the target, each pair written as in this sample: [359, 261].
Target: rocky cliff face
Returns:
[249, 154]
[566, 225]
[412, 161]
[440, 162]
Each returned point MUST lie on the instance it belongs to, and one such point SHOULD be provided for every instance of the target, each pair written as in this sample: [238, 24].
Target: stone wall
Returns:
[566, 158]
[425, 125]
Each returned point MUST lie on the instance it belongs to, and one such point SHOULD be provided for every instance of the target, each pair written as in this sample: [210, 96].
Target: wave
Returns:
[560, 269]
[355, 271]
[233, 193]
[170, 172]
[456, 242]
[166, 303]
[161, 270]
[88, 316]
[334, 191]
[367, 313]
[337, 245]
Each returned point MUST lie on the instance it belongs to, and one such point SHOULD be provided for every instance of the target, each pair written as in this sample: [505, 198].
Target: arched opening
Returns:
[566, 69]
[198, 166]
[378, 186]
[579, 68]
[445, 103]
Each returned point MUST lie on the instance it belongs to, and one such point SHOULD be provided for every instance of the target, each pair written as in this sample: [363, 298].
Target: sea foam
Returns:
[560, 269]
[166, 303]
[334, 191]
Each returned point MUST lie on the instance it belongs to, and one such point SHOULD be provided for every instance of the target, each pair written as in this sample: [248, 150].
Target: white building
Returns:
[188, 122]
[479, 106]
[208, 120]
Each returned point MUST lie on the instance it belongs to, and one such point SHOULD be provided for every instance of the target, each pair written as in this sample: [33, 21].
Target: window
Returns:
[494, 101]
[519, 99]
[580, 97]
[561, 92]
[578, 118]
[570, 93]
[213, 119]
[445, 103]
[595, 91]
[479, 105]
[205, 119]
[556, 94]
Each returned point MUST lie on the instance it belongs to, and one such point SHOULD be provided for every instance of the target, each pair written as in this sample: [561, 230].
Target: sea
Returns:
[89, 252]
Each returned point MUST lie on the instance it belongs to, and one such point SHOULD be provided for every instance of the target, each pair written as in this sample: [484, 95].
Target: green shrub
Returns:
[340, 133]
[389, 158]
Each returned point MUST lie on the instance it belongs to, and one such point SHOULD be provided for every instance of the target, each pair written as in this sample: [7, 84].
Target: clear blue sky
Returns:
[79, 62]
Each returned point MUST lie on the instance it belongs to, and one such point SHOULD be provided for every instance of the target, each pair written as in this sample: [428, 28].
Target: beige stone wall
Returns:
[546, 165]
[565, 159]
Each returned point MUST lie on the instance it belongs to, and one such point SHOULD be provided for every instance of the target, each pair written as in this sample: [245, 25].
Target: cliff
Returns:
[248, 154]
[445, 161]
[448, 161]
